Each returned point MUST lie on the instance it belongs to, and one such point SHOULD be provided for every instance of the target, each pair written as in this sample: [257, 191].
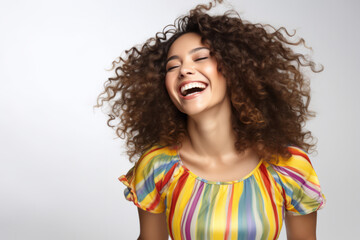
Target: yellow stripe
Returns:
[219, 220]
[238, 189]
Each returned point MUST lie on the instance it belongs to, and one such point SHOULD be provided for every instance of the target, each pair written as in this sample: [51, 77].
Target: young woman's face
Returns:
[193, 81]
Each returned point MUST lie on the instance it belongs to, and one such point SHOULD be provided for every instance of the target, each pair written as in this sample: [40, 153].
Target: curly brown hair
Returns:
[268, 91]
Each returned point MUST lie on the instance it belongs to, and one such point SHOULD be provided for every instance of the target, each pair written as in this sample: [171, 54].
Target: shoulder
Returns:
[156, 156]
[295, 172]
[158, 151]
[298, 181]
[155, 163]
[298, 161]
[296, 168]
[152, 163]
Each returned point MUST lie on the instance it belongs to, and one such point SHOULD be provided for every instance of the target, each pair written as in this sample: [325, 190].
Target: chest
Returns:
[247, 209]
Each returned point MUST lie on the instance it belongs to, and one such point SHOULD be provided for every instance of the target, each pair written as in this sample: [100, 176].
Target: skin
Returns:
[301, 227]
[152, 226]
[209, 150]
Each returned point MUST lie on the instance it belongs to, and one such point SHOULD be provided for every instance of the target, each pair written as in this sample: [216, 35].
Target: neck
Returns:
[210, 133]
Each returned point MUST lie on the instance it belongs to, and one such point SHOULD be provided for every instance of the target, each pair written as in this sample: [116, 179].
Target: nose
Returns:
[186, 69]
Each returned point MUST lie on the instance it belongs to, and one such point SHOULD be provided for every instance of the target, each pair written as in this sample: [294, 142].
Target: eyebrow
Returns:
[190, 52]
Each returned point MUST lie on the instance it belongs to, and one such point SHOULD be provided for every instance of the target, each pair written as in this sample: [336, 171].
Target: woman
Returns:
[215, 106]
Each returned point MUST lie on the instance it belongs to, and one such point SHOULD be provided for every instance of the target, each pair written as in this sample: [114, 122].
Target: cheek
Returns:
[170, 85]
[212, 67]
[211, 71]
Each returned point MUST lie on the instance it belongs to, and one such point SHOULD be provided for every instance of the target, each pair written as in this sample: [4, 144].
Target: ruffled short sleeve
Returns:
[300, 184]
[144, 182]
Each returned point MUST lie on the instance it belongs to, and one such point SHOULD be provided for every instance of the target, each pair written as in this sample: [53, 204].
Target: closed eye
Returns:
[171, 68]
[199, 59]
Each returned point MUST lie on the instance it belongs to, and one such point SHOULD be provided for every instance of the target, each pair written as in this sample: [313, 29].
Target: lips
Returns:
[191, 88]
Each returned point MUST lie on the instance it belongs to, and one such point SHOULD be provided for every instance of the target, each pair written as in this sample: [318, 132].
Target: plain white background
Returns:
[59, 160]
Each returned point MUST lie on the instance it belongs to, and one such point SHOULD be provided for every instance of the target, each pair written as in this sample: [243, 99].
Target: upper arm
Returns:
[301, 227]
[152, 225]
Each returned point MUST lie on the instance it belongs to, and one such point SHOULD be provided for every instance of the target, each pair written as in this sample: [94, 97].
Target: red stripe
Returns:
[228, 220]
[168, 176]
[155, 202]
[157, 198]
[294, 170]
[298, 152]
[179, 186]
[266, 180]
[122, 178]
[284, 197]
[284, 194]
[151, 151]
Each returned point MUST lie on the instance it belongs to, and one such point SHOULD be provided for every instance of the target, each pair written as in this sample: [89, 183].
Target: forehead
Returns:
[185, 43]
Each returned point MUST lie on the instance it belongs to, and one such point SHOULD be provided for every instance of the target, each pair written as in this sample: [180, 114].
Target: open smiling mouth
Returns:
[192, 88]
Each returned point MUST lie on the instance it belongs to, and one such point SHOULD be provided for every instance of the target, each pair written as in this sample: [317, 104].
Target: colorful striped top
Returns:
[250, 208]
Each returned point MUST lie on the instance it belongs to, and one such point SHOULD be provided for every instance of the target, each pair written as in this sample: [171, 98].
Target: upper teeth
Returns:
[191, 85]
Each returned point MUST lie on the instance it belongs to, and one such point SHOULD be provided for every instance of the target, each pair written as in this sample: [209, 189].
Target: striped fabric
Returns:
[250, 208]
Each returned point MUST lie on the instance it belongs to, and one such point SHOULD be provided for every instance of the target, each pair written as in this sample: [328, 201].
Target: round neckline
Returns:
[217, 182]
